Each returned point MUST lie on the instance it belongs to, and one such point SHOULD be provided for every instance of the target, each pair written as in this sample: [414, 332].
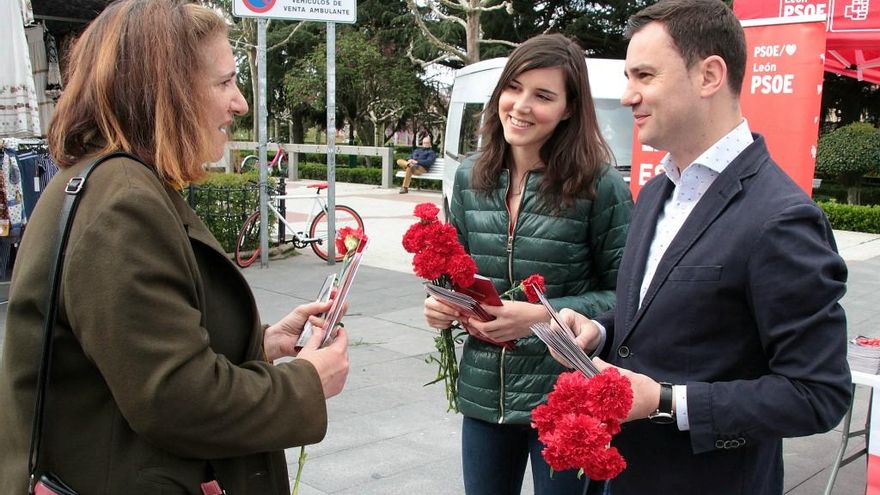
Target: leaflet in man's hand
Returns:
[561, 340]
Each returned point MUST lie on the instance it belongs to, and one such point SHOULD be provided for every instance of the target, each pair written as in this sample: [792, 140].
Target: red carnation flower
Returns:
[461, 269]
[606, 464]
[535, 280]
[579, 419]
[414, 238]
[429, 265]
[569, 392]
[427, 212]
[609, 395]
[349, 239]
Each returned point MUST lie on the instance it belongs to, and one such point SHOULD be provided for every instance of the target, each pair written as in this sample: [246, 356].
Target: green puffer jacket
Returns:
[577, 250]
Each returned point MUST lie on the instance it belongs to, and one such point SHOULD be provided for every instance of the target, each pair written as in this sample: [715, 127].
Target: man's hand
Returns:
[586, 333]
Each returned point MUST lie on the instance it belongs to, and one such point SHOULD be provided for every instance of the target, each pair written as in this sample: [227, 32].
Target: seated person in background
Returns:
[419, 162]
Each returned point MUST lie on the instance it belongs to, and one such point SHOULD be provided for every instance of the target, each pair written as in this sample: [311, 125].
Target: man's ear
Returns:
[713, 75]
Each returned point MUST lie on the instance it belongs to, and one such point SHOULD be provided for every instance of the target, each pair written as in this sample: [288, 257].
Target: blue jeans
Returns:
[494, 460]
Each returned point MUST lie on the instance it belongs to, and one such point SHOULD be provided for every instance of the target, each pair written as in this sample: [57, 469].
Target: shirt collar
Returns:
[718, 156]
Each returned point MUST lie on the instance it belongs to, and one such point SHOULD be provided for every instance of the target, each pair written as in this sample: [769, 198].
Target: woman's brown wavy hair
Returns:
[576, 154]
[133, 84]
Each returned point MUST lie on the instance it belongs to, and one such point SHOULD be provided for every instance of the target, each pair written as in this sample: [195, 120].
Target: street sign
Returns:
[344, 11]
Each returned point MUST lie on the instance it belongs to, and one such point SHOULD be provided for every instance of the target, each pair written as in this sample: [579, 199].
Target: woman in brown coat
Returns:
[162, 377]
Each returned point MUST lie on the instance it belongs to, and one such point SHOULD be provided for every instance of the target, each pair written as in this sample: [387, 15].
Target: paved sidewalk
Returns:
[390, 435]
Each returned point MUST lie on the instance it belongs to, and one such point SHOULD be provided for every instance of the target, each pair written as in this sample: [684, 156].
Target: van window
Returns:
[616, 124]
[470, 124]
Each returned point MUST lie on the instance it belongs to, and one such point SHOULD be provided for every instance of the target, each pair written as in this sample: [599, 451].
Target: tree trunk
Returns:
[853, 195]
[252, 65]
[473, 34]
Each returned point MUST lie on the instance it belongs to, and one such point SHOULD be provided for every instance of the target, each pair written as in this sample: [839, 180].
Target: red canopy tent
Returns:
[853, 38]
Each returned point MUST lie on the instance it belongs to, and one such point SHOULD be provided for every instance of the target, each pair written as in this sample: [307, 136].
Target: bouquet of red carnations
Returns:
[579, 419]
[440, 259]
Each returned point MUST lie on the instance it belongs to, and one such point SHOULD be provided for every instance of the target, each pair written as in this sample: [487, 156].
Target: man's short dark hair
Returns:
[699, 29]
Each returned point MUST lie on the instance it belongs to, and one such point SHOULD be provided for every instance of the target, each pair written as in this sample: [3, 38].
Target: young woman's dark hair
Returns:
[576, 154]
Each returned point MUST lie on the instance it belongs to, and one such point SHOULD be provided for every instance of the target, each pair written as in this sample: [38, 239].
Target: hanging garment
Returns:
[30, 180]
[19, 110]
[40, 65]
[46, 169]
[53, 79]
[14, 204]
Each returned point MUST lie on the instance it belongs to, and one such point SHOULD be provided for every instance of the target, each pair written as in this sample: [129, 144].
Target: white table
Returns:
[872, 442]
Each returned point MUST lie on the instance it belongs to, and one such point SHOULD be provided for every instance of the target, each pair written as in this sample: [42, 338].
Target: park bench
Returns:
[435, 173]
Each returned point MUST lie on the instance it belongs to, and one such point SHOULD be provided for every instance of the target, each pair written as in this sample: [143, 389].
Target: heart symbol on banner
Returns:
[790, 49]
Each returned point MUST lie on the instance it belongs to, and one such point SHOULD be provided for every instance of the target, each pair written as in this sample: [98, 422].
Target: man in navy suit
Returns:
[727, 320]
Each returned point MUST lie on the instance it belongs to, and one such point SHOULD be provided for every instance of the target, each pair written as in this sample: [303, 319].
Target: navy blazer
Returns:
[743, 309]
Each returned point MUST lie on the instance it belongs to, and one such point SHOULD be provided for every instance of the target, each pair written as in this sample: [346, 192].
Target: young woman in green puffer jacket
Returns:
[542, 198]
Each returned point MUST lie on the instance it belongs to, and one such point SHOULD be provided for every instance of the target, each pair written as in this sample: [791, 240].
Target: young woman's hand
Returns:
[439, 315]
[512, 320]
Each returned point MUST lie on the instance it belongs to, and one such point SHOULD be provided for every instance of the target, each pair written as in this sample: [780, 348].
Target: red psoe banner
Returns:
[781, 99]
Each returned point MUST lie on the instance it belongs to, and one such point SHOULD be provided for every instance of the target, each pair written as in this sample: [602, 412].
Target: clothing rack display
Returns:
[25, 170]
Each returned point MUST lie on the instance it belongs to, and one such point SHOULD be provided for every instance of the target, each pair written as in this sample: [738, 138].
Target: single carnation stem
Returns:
[299, 469]
[451, 368]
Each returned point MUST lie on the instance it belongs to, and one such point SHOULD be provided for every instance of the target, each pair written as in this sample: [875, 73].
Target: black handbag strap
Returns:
[75, 186]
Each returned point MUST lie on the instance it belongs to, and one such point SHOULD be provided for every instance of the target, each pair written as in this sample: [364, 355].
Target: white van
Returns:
[473, 87]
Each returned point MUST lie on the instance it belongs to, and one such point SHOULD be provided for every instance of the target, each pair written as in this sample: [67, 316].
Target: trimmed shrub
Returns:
[361, 175]
[224, 201]
[848, 153]
[852, 217]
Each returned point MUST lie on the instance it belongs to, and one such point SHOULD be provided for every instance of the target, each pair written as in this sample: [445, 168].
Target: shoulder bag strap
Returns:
[75, 186]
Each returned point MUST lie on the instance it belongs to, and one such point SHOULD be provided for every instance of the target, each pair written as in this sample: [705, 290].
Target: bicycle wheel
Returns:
[248, 246]
[249, 163]
[345, 217]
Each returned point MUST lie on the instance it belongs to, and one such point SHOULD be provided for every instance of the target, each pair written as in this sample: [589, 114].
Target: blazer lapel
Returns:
[713, 203]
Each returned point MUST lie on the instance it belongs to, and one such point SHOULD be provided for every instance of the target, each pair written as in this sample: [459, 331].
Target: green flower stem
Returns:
[447, 364]
[299, 469]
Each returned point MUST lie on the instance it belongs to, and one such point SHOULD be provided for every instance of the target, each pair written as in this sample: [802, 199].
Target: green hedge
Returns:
[224, 201]
[852, 217]
[360, 175]
[831, 191]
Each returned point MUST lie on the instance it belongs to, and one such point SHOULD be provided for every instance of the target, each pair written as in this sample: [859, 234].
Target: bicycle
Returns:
[247, 249]
[274, 167]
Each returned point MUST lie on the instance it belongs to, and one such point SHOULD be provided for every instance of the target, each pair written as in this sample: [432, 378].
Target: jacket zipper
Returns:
[501, 397]
[510, 234]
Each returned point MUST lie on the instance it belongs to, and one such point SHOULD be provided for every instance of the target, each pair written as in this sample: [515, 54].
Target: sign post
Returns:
[331, 12]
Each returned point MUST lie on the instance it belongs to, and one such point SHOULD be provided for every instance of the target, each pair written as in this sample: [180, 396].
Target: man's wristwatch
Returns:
[664, 413]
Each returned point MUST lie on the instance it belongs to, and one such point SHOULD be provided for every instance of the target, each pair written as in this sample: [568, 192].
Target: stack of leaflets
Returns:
[335, 288]
[462, 302]
[470, 301]
[561, 340]
[863, 354]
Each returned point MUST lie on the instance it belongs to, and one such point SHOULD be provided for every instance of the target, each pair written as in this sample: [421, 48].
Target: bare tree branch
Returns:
[424, 63]
[284, 42]
[434, 40]
[446, 17]
[499, 42]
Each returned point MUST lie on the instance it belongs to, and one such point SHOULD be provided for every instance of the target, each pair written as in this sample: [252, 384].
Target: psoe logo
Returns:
[259, 6]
